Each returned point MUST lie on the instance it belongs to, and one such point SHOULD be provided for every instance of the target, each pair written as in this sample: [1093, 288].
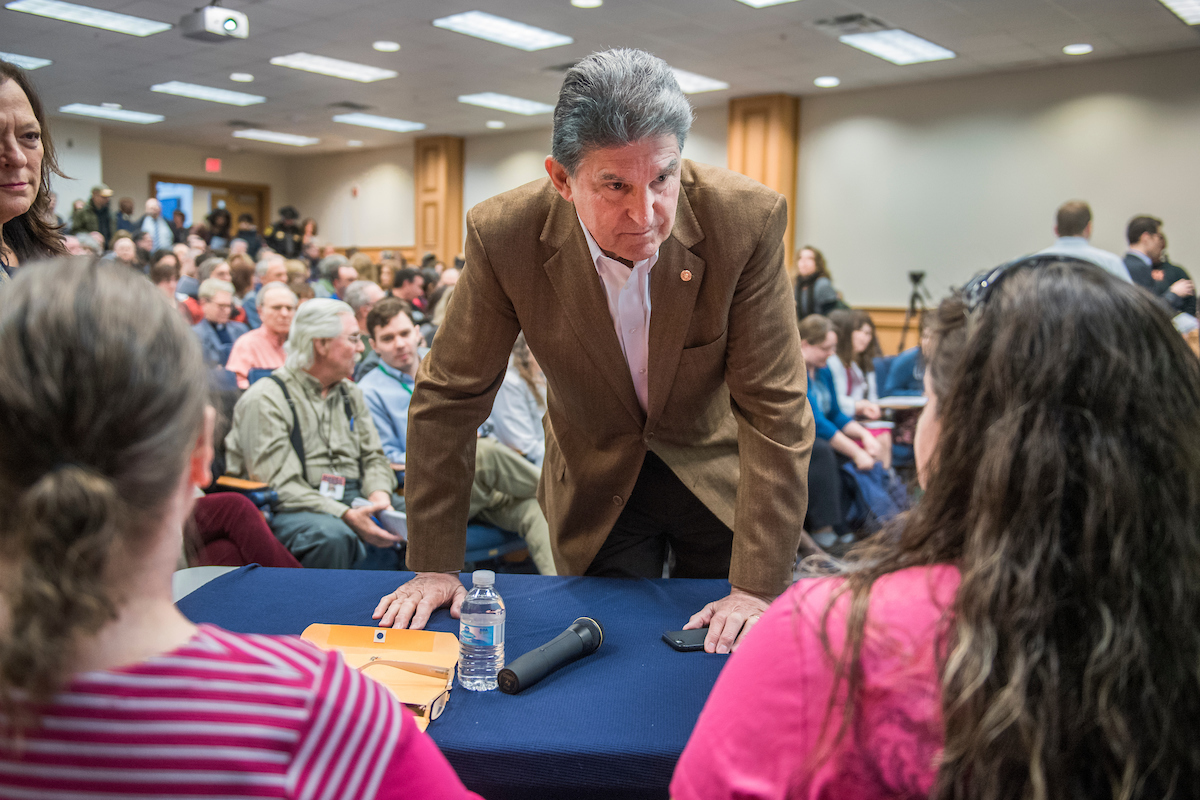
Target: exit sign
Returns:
[212, 165]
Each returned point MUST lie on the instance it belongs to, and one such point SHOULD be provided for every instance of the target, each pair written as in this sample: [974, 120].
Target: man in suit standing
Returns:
[652, 292]
[1171, 284]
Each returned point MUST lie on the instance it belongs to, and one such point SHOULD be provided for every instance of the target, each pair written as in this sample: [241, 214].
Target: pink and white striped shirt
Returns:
[227, 715]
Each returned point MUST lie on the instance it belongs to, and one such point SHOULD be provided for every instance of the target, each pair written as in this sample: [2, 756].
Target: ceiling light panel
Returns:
[119, 114]
[765, 3]
[25, 62]
[897, 46]
[504, 102]
[1186, 10]
[1080, 49]
[382, 123]
[274, 137]
[336, 68]
[503, 31]
[827, 81]
[92, 17]
[691, 83]
[226, 96]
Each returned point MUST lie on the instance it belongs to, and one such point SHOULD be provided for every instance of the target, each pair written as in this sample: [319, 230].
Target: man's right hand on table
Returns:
[411, 605]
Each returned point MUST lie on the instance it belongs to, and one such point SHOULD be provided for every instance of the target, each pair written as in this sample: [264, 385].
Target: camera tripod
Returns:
[916, 303]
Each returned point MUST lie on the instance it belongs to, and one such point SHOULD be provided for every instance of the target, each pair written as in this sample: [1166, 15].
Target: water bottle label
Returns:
[481, 635]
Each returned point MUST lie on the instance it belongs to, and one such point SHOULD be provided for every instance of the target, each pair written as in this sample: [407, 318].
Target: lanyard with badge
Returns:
[397, 379]
[333, 485]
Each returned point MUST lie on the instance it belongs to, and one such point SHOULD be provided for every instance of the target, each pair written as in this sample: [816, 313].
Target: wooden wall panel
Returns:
[889, 321]
[763, 144]
[439, 196]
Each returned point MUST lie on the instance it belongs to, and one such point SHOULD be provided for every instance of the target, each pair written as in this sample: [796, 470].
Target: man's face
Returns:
[99, 200]
[125, 249]
[153, 209]
[217, 308]
[276, 272]
[1153, 244]
[74, 247]
[396, 343]
[409, 290]
[197, 243]
[340, 353]
[345, 276]
[625, 195]
[21, 152]
[312, 250]
[222, 272]
[145, 241]
[278, 308]
[817, 355]
[238, 248]
[245, 225]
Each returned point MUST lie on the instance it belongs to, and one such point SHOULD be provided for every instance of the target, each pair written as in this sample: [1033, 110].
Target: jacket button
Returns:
[617, 500]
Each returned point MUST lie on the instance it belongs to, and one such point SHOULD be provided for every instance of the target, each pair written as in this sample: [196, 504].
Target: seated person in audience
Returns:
[814, 286]
[520, 405]
[336, 275]
[1073, 227]
[308, 433]
[440, 301]
[144, 242]
[853, 371]
[504, 490]
[409, 286]
[1031, 628]
[217, 334]
[164, 274]
[211, 267]
[241, 270]
[906, 374]
[839, 438]
[262, 348]
[124, 251]
[188, 284]
[270, 269]
[109, 690]
[248, 233]
[362, 297]
[229, 531]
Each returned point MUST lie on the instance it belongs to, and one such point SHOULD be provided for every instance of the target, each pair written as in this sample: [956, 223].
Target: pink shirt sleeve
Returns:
[760, 733]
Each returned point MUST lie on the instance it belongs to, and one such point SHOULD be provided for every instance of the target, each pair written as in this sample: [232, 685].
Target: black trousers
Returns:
[826, 504]
[662, 511]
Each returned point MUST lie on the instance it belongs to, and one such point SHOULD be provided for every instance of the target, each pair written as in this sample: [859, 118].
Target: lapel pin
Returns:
[686, 275]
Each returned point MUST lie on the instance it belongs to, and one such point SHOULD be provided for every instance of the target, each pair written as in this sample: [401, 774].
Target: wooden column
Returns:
[763, 142]
[438, 163]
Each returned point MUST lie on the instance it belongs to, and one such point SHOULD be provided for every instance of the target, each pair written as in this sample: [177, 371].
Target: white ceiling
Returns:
[756, 51]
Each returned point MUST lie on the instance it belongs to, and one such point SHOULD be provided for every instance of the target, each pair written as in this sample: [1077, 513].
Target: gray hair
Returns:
[317, 319]
[615, 98]
[89, 243]
[273, 286]
[361, 294]
[209, 288]
[264, 264]
[328, 266]
[206, 268]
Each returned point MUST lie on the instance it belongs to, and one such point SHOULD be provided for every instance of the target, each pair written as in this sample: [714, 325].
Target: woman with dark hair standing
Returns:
[1032, 629]
[26, 162]
[814, 287]
[106, 689]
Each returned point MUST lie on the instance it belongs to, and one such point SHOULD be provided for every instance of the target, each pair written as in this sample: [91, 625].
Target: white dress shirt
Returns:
[628, 293]
[1079, 247]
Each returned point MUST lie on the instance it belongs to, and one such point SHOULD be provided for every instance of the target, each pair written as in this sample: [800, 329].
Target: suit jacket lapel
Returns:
[577, 285]
[671, 302]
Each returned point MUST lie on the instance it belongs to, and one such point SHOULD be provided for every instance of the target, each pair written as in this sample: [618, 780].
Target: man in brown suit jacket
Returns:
[693, 430]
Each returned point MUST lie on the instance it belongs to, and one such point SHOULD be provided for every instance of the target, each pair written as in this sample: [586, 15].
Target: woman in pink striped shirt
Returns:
[106, 690]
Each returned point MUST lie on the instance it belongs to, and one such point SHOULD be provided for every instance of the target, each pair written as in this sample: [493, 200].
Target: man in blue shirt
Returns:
[504, 492]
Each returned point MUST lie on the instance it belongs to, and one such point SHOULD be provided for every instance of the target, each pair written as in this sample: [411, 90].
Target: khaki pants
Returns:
[504, 493]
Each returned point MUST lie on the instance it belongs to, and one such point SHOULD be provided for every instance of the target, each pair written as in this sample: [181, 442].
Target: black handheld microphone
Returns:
[581, 639]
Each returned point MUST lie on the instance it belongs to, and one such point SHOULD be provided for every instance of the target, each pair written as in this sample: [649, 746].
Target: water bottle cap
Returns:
[483, 577]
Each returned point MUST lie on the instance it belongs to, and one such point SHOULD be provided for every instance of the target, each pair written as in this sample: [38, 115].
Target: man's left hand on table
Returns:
[728, 619]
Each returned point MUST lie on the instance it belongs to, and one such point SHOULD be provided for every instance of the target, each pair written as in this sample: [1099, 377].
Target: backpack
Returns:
[878, 496]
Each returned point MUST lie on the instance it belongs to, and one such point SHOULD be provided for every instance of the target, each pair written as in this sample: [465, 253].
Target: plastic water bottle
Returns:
[481, 634]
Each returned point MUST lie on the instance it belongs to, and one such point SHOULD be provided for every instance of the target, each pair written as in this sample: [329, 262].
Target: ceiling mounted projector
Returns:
[214, 24]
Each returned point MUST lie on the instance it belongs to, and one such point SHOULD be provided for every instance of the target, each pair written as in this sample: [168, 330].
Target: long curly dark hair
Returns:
[35, 234]
[1065, 487]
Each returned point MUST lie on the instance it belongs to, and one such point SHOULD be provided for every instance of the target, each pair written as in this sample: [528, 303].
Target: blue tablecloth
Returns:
[610, 725]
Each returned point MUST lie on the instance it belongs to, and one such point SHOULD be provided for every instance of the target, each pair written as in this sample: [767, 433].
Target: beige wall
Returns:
[956, 176]
[324, 187]
[77, 145]
[128, 164]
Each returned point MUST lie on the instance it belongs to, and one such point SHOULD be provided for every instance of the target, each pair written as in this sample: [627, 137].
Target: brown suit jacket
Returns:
[727, 383]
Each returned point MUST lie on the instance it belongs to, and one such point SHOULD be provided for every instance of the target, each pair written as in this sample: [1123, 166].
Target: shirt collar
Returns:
[597, 253]
[1145, 258]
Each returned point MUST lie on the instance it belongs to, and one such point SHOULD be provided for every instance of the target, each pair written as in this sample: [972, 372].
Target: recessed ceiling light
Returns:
[382, 123]
[508, 32]
[354, 143]
[241, 77]
[226, 96]
[275, 137]
[587, 3]
[25, 62]
[334, 67]
[691, 83]
[1186, 10]
[386, 47]
[92, 17]
[765, 3]
[504, 102]
[495, 124]
[827, 81]
[897, 46]
[107, 112]
[1078, 49]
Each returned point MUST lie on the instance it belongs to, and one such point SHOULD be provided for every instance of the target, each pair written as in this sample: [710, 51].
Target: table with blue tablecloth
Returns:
[609, 725]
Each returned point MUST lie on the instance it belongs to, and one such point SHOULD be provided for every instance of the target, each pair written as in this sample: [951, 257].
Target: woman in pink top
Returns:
[1032, 629]
[263, 348]
[106, 690]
